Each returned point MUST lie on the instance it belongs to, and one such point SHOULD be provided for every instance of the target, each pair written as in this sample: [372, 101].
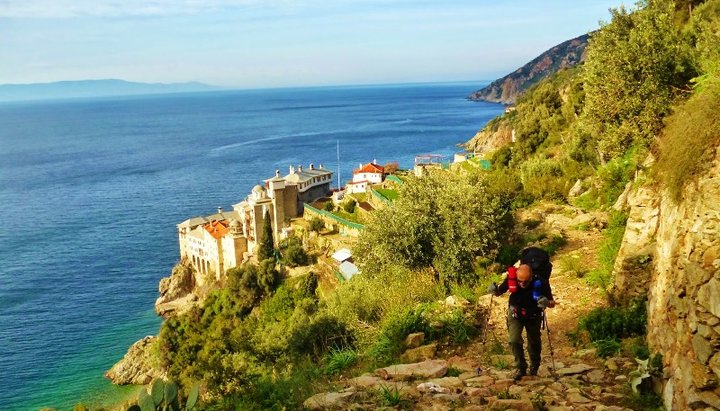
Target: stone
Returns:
[702, 347]
[576, 189]
[426, 369]
[502, 385]
[463, 364]
[621, 378]
[431, 387]
[596, 376]
[611, 364]
[699, 399]
[135, 367]
[448, 382]
[328, 400]
[586, 354]
[577, 398]
[456, 301]
[574, 369]
[414, 340]
[176, 291]
[425, 352]
[703, 377]
[478, 392]
[709, 296]
[366, 380]
[517, 405]
[481, 381]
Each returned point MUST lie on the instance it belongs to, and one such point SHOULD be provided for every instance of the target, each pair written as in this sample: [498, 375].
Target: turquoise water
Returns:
[91, 191]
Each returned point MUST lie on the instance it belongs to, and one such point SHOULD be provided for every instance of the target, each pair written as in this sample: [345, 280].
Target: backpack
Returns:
[538, 259]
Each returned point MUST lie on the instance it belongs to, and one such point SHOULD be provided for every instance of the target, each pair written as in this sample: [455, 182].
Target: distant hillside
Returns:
[508, 88]
[93, 88]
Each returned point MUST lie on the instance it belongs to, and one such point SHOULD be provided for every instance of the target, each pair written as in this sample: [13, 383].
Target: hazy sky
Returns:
[270, 43]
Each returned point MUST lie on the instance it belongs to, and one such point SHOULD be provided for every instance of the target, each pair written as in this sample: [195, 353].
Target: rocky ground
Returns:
[477, 376]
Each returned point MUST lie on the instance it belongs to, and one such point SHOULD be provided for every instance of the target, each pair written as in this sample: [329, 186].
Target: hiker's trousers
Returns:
[532, 328]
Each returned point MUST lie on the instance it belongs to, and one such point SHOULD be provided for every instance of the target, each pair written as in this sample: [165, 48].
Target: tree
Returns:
[349, 206]
[636, 66]
[294, 254]
[442, 221]
[266, 245]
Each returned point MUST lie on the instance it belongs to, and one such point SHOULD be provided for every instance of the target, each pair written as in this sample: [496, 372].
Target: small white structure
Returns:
[342, 255]
[348, 270]
[354, 187]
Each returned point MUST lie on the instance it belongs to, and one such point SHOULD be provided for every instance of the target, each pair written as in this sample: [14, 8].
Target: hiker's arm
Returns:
[503, 287]
[548, 293]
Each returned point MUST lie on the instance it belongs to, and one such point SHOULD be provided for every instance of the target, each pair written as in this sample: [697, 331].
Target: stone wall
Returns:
[671, 254]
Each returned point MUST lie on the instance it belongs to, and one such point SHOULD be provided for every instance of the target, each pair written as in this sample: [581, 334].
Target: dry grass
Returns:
[689, 140]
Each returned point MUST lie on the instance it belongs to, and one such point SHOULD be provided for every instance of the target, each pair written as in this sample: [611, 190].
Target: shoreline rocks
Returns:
[136, 367]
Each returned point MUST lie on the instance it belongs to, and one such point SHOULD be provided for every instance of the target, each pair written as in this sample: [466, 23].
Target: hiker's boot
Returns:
[519, 373]
[534, 369]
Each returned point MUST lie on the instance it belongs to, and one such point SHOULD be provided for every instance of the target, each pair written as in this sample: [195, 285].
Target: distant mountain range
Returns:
[507, 89]
[93, 88]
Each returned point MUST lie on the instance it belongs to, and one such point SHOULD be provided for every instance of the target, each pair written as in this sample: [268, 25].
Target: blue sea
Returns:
[91, 191]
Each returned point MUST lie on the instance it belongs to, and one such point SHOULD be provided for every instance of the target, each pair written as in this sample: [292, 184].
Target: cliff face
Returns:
[507, 89]
[671, 254]
[488, 140]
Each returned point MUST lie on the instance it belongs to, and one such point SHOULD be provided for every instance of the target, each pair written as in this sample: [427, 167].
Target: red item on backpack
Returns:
[512, 279]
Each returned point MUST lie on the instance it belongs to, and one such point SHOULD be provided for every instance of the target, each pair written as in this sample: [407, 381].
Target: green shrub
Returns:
[609, 247]
[607, 326]
[329, 206]
[607, 348]
[338, 360]
[316, 224]
[389, 396]
[349, 206]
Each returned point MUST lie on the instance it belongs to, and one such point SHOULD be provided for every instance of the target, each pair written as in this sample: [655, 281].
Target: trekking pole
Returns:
[487, 319]
[552, 354]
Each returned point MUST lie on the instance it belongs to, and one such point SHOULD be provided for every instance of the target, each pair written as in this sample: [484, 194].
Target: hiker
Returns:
[529, 296]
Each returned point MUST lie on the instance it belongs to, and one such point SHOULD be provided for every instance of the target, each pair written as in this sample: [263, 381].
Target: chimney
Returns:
[374, 160]
[292, 170]
[277, 173]
[312, 166]
[321, 167]
[299, 168]
[360, 166]
[219, 209]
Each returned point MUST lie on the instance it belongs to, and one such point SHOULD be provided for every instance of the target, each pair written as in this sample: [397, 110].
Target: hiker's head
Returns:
[524, 275]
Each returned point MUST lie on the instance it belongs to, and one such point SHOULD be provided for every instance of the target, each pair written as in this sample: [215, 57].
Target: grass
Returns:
[601, 277]
[388, 193]
[689, 139]
[389, 396]
[573, 263]
[338, 360]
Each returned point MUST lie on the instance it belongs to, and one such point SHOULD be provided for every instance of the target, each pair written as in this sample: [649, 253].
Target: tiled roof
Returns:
[370, 168]
[217, 229]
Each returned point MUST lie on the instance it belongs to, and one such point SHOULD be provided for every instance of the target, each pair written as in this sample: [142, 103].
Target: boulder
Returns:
[574, 369]
[329, 400]
[426, 369]
[414, 340]
[518, 405]
[136, 366]
[426, 352]
[176, 291]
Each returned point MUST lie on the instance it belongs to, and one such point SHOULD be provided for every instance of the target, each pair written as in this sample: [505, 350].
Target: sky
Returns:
[281, 43]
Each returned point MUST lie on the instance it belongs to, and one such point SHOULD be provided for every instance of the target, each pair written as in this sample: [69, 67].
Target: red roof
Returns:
[217, 229]
[370, 168]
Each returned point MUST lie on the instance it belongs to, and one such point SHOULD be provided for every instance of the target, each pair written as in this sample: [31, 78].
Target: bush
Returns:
[316, 224]
[605, 327]
[609, 247]
[349, 206]
[294, 254]
[329, 206]
[338, 360]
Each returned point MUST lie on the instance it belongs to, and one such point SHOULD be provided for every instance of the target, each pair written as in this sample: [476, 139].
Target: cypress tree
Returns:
[266, 246]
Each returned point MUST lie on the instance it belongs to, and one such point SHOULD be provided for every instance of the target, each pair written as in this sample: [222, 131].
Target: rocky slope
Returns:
[477, 376]
[507, 89]
[671, 255]
[137, 366]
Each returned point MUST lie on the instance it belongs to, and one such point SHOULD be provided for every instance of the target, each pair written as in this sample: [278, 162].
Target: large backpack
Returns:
[538, 259]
